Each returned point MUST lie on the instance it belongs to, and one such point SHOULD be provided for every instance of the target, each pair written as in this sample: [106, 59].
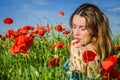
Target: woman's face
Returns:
[79, 30]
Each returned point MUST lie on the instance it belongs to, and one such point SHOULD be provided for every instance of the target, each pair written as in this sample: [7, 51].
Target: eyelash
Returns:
[83, 29]
[74, 27]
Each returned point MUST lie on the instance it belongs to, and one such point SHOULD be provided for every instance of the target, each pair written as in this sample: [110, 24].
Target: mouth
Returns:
[78, 39]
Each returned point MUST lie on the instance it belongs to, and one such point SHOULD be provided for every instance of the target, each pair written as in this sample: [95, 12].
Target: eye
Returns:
[74, 27]
[83, 29]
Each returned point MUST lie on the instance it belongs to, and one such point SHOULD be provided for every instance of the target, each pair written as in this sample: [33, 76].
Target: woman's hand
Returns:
[74, 50]
[74, 45]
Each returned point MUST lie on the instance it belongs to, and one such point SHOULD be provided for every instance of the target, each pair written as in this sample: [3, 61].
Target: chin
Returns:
[83, 44]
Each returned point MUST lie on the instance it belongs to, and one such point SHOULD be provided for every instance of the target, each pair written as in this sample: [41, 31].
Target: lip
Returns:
[78, 39]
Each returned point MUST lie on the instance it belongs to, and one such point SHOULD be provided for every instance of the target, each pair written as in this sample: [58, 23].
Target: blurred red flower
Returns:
[9, 33]
[50, 63]
[61, 14]
[54, 62]
[58, 44]
[59, 28]
[88, 56]
[21, 31]
[41, 32]
[117, 48]
[8, 21]
[41, 27]
[27, 27]
[33, 34]
[24, 30]
[109, 69]
[113, 74]
[2, 37]
[54, 45]
[66, 32]
[68, 47]
[22, 44]
[111, 61]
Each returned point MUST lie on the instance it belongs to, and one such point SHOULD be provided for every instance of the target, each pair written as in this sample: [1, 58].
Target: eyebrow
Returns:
[79, 26]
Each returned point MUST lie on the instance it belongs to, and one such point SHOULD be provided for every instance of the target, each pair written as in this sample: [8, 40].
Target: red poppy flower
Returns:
[41, 32]
[117, 48]
[58, 28]
[2, 37]
[112, 74]
[9, 33]
[28, 28]
[33, 34]
[8, 21]
[22, 44]
[61, 14]
[41, 27]
[54, 62]
[60, 44]
[113, 59]
[54, 45]
[68, 47]
[66, 32]
[88, 56]
[14, 49]
[22, 31]
[109, 67]
[50, 63]
[109, 62]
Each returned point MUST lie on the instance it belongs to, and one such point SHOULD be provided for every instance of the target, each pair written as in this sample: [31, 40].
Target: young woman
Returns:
[90, 32]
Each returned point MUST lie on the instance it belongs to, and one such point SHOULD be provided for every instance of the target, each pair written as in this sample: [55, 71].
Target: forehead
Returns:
[78, 20]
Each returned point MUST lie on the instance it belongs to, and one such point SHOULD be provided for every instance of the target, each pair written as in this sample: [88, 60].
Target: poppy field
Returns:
[39, 53]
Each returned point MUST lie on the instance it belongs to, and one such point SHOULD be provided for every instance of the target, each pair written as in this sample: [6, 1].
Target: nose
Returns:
[77, 32]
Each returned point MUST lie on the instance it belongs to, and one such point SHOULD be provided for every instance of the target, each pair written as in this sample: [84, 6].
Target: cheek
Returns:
[86, 37]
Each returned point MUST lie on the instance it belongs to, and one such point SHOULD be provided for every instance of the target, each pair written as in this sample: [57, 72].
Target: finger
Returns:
[74, 48]
[75, 41]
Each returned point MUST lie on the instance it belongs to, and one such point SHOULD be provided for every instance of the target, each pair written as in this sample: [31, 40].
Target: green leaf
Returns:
[78, 53]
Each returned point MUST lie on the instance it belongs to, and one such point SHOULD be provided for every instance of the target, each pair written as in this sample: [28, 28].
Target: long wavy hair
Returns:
[97, 24]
